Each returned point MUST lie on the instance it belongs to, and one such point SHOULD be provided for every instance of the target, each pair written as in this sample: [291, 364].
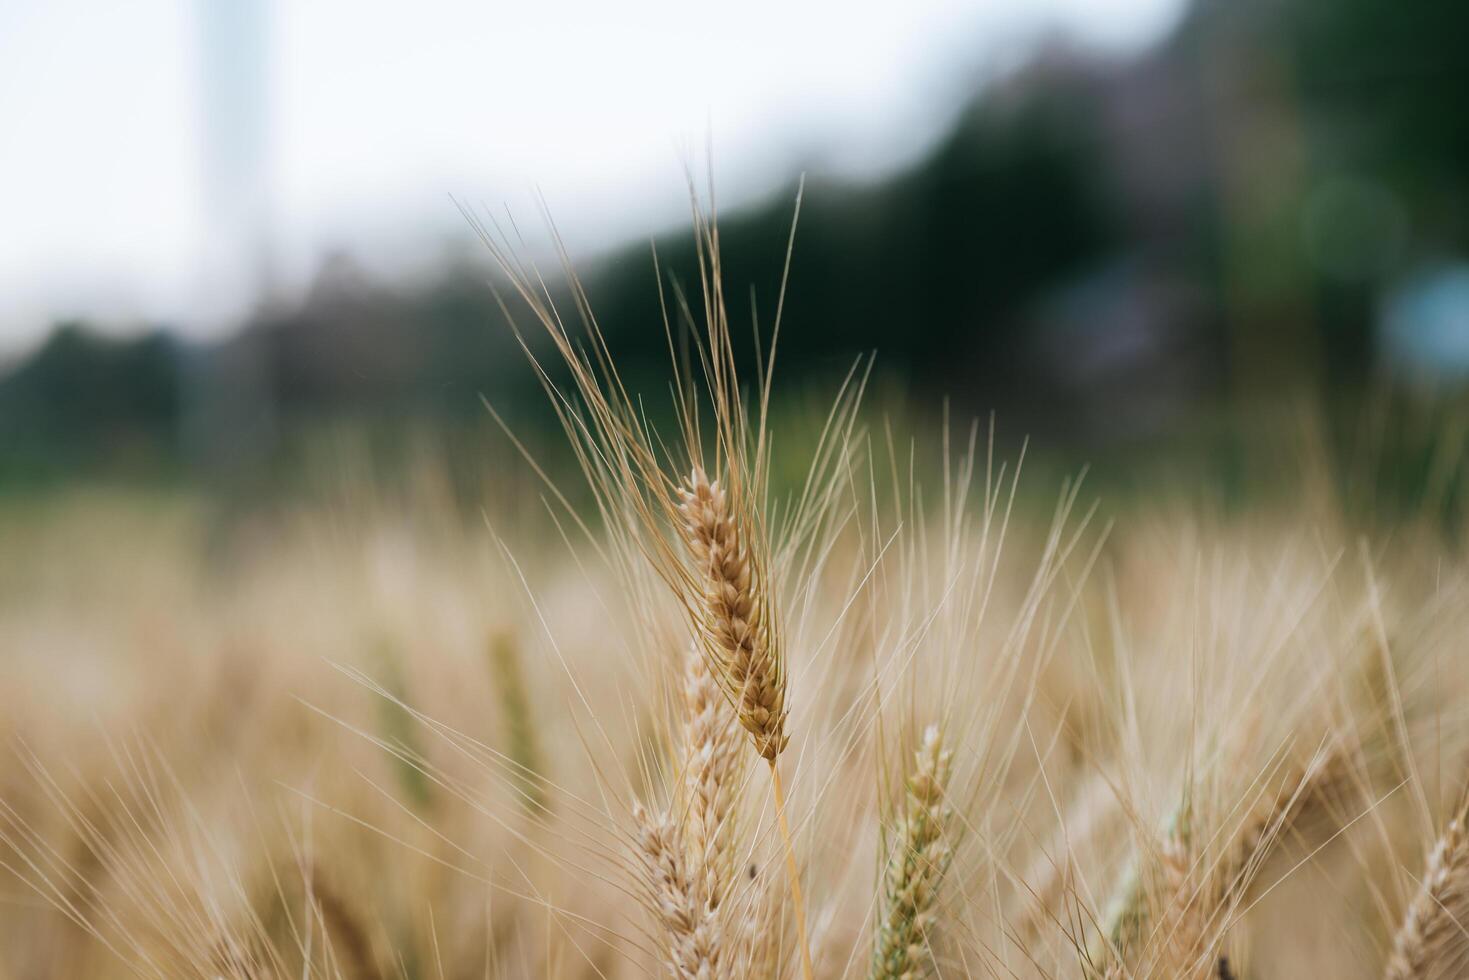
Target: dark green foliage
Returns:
[86, 399]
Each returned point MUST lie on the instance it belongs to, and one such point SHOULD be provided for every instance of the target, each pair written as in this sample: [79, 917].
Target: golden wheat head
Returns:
[734, 611]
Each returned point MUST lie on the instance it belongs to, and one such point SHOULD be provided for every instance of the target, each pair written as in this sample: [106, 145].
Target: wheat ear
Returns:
[736, 625]
[1432, 943]
[1193, 910]
[1186, 919]
[734, 611]
[689, 865]
[1305, 796]
[691, 931]
[711, 778]
[916, 868]
[520, 731]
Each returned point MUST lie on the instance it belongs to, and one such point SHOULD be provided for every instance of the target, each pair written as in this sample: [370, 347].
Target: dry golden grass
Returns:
[299, 758]
[378, 737]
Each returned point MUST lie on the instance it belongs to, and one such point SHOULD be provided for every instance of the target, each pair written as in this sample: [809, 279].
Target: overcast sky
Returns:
[372, 114]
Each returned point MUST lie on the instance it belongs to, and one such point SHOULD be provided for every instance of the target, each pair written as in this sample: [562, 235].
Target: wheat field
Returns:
[904, 714]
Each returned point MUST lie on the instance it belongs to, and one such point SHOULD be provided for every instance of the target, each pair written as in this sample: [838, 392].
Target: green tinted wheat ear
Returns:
[345, 929]
[916, 869]
[1433, 943]
[735, 612]
[520, 733]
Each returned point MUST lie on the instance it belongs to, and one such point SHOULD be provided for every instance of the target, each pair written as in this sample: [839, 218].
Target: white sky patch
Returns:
[379, 111]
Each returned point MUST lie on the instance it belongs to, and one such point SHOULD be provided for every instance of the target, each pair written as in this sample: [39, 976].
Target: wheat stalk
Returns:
[720, 575]
[916, 868]
[736, 626]
[1432, 943]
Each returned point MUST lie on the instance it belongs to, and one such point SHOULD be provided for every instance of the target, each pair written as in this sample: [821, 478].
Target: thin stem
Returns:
[792, 872]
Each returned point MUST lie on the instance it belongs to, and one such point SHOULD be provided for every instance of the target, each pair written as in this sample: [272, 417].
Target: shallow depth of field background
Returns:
[1136, 231]
[1213, 253]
